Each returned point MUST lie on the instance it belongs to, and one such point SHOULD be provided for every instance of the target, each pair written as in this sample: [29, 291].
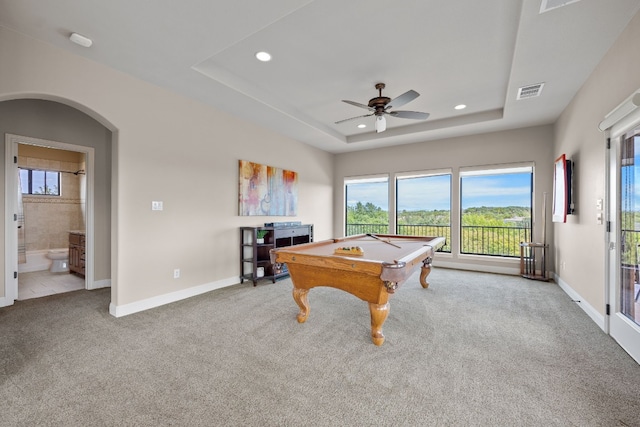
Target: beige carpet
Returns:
[472, 350]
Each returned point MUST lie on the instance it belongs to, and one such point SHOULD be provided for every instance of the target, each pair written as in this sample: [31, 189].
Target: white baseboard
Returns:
[584, 305]
[153, 302]
[5, 302]
[99, 284]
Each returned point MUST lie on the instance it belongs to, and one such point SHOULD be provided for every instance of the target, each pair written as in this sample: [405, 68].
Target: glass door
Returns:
[624, 257]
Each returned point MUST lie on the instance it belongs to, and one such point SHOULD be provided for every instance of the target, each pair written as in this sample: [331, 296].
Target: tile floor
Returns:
[42, 283]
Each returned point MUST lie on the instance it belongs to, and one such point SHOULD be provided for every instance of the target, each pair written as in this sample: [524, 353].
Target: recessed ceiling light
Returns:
[460, 107]
[80, 40]
[263, 56]
[362, 126]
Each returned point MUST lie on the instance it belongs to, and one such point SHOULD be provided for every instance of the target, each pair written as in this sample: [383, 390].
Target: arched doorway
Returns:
[69, 127]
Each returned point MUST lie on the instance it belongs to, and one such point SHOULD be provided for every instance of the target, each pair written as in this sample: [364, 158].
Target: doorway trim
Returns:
[11, 231]
[616, 124]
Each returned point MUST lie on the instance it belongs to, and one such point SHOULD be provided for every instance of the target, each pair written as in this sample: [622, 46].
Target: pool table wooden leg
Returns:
[424, 272]
[379, 313]
[300, 297]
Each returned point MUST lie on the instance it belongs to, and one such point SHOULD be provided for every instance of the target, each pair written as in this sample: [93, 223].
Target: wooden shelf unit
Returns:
[254, 256]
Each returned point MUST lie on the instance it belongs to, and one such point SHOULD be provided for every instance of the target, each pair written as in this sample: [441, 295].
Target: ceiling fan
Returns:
[380, 106]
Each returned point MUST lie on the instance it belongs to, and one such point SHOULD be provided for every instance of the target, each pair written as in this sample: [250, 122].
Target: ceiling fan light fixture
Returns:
[381, 124]
[263, 56]
[460, 107]
[362, 126]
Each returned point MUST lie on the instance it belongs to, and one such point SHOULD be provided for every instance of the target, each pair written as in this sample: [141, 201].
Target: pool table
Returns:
[368, 266]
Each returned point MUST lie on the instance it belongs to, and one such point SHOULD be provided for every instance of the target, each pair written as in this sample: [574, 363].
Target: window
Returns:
[423, 205]
[367, 204]
[35, 181]
[495, 206]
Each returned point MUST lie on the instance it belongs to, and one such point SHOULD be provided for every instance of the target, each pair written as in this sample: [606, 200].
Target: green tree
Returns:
[423, 217]
[367, 213]
[47, 190]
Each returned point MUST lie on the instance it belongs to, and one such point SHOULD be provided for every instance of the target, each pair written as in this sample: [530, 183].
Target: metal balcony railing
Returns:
[497, 241]
[353, 229]
[428, 230]
[405, 230]
[476, 240]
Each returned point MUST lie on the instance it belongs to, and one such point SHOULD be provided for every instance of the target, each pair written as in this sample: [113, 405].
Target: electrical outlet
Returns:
[176, 273]
[156, 205]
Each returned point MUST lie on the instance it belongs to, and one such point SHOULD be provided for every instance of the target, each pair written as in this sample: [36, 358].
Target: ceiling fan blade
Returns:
[409, 115]
[357, 104]
[353, 118]
[406, 97]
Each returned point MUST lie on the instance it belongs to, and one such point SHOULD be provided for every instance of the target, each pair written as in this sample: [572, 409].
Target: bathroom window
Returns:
[40, 182]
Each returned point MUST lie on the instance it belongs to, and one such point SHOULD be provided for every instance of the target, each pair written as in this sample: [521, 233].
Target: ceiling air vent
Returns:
[530, 91]
[548, 5]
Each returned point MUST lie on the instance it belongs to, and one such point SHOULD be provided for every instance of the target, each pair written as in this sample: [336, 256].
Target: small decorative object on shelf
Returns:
[260, 235]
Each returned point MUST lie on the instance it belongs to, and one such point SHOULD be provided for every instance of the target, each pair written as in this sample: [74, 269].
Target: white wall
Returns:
[514, 146]
[580, 242]
[170, 148]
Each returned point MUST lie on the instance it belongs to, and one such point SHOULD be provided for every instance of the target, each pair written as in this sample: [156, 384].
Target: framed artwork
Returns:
[562, 174]
[266, 190]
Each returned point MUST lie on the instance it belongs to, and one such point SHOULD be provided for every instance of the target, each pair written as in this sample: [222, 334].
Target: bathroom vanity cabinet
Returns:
[255, 262]
[77, 252]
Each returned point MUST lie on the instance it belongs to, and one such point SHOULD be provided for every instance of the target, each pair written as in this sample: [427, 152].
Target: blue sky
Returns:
[433, 192]
[496, 190]
[630, 181]
[424, 193]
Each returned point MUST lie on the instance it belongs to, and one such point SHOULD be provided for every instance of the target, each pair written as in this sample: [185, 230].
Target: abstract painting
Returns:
[266, 190]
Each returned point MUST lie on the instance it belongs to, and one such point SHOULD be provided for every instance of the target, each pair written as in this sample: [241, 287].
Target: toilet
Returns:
[59, 260]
